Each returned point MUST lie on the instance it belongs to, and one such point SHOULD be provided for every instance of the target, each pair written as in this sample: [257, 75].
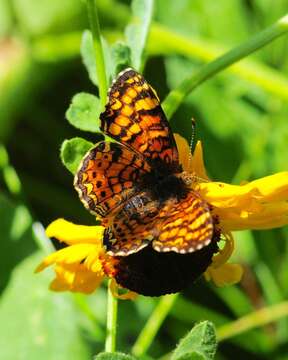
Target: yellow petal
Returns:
[260, 204]
[269, 216]
[128, 295]
[197, 164]
[75, 278]
[72, 234]
[225, 253]
[193, 164]
[184, 152]
[70, 255]
[93, 261]
[226, 274]
[273, 187]
[268, 189]
[228, 196]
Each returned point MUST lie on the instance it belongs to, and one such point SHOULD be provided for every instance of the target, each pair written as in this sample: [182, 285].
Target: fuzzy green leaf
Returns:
[88, 56]
[72, 152]
[137, 31]
[199, 344]
[113, 356]
[84, 111]
[121, 57]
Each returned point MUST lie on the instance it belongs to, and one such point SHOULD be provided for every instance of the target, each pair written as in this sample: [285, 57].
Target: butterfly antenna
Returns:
[193, 122]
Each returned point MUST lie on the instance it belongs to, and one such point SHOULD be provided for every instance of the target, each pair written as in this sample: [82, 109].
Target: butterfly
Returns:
[135, 183]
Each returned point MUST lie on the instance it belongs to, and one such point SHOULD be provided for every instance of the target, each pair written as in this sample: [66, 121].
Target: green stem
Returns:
[176, 96]
[112, 308]
[164, 41]
[153, 324]
[257, 318]
[99, 54]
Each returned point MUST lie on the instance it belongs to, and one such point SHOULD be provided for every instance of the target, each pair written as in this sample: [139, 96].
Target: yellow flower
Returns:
[83, 263]
[260, 204]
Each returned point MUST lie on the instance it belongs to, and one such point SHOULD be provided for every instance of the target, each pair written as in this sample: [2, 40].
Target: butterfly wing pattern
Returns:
[134, 117]
[106, 177]
[187, 226]
[135, 184]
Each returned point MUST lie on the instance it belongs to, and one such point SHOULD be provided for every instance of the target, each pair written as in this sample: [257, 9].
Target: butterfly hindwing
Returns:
[186, 225]
[133, 227]
[181, 226]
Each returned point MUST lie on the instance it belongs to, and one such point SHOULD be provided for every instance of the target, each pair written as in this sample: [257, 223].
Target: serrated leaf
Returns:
[113, 356]
[36, 323]
[199, 344]
[84, 111]
[88, 56]
[121, 57]
[72, 151]
[137, 31]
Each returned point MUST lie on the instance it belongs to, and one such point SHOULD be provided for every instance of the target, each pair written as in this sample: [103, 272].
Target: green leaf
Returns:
[137, 31]
[194, 355]
[121, 57]
[199, 344]
[88, 56]
[113, 356]
[72, 152]
[37, 323]
[84, 111]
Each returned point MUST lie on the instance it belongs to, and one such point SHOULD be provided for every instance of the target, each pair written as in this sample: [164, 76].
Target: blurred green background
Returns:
[241, 118]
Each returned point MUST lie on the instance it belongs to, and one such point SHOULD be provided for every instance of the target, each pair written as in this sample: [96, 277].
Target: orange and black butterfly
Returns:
[154, 221]
[136, 184]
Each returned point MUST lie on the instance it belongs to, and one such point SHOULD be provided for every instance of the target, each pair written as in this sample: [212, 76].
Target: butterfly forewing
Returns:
[106, 177]
[134, 116]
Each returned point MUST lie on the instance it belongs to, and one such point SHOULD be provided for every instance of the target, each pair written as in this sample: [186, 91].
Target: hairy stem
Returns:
[99, 54]
[112, 309]
[257, 318]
